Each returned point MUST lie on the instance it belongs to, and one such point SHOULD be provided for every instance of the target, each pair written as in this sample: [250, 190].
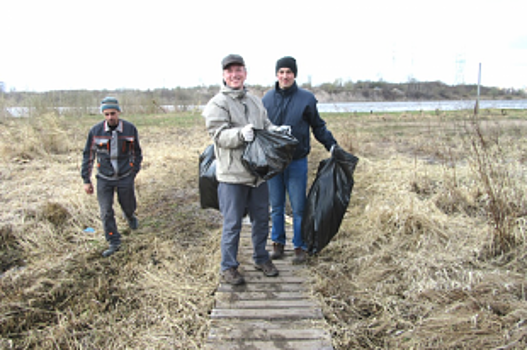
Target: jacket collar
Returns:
[119, 127]
[235, 94]
[286, 92]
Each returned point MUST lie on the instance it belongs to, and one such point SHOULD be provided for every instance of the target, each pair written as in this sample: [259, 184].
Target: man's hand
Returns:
[247, 133]
[88, 188]
[284, 129]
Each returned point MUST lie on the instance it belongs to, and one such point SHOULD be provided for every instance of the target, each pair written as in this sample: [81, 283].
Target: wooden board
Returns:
[272, 345]
[264, 304]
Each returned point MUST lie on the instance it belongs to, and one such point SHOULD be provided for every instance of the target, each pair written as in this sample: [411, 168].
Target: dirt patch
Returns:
[11, 253]
[55, 213]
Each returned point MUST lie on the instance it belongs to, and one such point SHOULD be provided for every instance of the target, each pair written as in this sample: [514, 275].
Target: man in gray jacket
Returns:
[230, 118]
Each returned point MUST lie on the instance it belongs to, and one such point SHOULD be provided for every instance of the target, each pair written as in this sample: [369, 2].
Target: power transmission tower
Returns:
[460, 70]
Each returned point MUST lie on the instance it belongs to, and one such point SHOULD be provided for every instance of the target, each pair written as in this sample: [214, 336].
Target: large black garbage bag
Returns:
[208, 184]
[269, 153]
[328, 199]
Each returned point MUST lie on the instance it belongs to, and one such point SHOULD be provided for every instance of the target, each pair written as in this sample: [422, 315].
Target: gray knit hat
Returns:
[110, 103]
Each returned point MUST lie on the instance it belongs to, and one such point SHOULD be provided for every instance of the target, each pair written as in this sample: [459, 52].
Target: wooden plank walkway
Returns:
[267, 313]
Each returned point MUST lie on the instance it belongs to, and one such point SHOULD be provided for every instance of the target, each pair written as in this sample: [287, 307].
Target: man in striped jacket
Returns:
[114, 143]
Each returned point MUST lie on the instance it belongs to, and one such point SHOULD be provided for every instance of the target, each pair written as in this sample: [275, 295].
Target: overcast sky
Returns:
[110, 44]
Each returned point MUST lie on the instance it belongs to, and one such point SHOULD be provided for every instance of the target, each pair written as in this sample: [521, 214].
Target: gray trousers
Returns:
[234, 200]
[126, 198]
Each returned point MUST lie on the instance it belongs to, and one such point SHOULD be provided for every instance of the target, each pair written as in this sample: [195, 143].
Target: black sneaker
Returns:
[112, 249]
[267, 268]
[232, 276]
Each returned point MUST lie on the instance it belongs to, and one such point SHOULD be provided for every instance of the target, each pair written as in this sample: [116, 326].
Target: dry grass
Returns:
[416, 258]
[416, 263]
[57, 291]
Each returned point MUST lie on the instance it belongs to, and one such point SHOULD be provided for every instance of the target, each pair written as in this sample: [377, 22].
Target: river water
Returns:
[402, 106]
[373, 107]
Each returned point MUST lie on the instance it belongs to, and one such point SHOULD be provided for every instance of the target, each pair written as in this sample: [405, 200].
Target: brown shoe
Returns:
[278, 251]
[300, 256]
[232, 276]
[267, 268]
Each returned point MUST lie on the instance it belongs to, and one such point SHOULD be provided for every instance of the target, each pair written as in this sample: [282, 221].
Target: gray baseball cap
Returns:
[232, 59]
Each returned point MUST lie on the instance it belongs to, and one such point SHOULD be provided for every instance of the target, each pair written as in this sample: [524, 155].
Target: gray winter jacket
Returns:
[225, 115]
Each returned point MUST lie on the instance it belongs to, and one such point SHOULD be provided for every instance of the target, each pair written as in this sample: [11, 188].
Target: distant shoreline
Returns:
[341, 92]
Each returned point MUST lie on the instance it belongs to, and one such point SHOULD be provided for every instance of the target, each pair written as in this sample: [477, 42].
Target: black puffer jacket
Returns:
[118, 152]
[298, 108]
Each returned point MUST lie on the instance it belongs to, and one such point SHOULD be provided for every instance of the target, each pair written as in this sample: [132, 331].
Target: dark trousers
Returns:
[126, 198]
[234, 201]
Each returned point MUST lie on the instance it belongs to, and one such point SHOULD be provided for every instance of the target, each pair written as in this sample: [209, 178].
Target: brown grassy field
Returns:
[430, 255]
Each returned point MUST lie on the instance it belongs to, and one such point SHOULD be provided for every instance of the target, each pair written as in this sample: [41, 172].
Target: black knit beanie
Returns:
[287, 62]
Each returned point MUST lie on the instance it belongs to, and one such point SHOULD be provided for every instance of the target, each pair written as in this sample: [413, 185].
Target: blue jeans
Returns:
[293, 180]
[234, 200]
[126, 197]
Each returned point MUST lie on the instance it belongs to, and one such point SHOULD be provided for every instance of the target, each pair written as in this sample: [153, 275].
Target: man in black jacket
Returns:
[115, 144]
[287, 104]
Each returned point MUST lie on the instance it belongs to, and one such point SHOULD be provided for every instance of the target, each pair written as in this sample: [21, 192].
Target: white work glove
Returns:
[286, 129]
[247, 133]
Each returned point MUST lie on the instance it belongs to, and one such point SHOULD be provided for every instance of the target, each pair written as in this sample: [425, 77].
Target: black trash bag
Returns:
[208, 184]
[269, 153]
[328, 199]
